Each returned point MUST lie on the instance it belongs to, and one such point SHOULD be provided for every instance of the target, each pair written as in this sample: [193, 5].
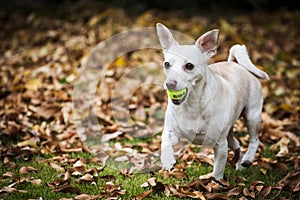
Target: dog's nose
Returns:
[171, 84]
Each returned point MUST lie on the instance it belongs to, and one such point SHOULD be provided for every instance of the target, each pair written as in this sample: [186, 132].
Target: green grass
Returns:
[131, 185]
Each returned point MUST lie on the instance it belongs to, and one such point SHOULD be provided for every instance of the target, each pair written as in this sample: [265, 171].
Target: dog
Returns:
[205, 99]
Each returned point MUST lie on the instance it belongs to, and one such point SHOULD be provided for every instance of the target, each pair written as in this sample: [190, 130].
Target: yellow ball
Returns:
[177, 95]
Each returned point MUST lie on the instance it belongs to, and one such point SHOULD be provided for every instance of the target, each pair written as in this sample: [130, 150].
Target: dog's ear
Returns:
[165, 36]
[208, 42]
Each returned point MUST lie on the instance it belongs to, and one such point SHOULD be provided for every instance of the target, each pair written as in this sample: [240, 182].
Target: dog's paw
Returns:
[168, 162]
[246, 163]
[169, 165]
[239, 166]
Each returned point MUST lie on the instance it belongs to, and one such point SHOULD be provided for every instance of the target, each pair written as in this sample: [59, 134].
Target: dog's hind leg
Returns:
[234, 145]
[252, 117]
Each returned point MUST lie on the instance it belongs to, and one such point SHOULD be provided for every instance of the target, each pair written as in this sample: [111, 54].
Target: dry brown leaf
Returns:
[221, 182]
[248, 193]
[31, 180]
[254, 184]
[33, 84]
[88, 197]
[108, 177]
[36, 181]
[26, 170]
[67, 177]
[200, 184]
[143, 195]
[65, 135]
[193, 194]
[48, 111]
[235, 191]
[282, 145]
[178, 174]
[107, 137]
[263, 171]
[215, 196]
[112, 190]
[70, 150]
[291, 181]
[206, 176]
[145, 184]
[152, 181]
[159, 187]
[264, 192]
[215, 186]
[175, 192]
[27, 143]
[259, 188]
[87, 178]
[140, 113]
[10, 190]
[11, 175]
[56, 167]
[68, 188]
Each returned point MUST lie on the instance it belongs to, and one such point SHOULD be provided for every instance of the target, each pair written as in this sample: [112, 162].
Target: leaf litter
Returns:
[36, 105]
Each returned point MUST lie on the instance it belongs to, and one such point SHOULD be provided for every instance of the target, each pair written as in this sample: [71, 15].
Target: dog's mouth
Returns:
[178, 96]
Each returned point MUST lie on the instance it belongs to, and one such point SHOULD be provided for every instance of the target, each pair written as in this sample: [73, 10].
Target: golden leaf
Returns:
[33, 84]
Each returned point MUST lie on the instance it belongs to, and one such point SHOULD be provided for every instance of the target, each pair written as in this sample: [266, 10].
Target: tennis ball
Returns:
[177, 95]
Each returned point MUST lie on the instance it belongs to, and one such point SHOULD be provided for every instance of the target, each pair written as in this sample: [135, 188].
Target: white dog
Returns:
[205, 100]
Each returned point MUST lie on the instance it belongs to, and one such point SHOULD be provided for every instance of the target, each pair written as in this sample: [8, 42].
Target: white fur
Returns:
[218, 94]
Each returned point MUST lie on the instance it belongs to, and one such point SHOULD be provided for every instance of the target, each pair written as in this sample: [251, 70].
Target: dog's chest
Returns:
[190, 125]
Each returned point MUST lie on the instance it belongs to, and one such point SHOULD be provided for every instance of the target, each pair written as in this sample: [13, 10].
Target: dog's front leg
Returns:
[169, 139]
[220, 158]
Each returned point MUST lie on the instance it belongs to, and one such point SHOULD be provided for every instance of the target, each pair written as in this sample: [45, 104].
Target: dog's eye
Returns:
[189, 66]
[167, 65]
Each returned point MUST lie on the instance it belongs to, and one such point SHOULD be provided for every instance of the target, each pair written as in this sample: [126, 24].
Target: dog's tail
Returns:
[239, 53]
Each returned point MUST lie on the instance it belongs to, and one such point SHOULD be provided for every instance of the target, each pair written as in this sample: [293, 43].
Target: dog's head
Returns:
[185, 65]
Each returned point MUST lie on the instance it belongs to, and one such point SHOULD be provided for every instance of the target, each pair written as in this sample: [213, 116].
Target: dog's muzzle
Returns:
[178, 96]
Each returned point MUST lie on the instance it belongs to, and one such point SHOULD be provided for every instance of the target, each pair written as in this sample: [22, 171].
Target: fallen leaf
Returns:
[206, 176]
[11, 175]
[31, 180]
[283, 147]
[263, 171]
[68, 188]
[145, 184]
[107, 137]
[140, 113]
[56, 167]
[88, 197]
[248, 193]
[33, 84]
[108, 177]
[10, 190]
[143, 195]
[254, 184]
[216, 196]
[86, 178]
[152, 181]
[235, 191]
[26, 170]
[264, 192]
[27, 143]
[291, 182]
[159, 187]
[48, 111]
